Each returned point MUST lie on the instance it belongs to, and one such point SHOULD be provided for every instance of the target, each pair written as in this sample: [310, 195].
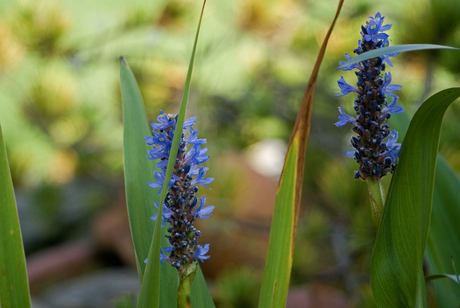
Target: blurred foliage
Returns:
[238, 288]
[60, 104]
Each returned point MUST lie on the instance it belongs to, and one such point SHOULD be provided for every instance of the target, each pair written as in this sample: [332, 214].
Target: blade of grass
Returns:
[14, 285]
[277, 271]
[149, 295]
[392, 49]
[397, 262]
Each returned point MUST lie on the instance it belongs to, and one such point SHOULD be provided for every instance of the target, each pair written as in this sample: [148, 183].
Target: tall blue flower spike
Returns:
[181, 207]
[375, 156]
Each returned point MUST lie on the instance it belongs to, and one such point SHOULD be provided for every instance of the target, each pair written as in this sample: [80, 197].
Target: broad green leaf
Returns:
[397, 262]
[278, 265]
[14, 285]
[390, 50]
[443, 238]
[149, 295]
[138, 171]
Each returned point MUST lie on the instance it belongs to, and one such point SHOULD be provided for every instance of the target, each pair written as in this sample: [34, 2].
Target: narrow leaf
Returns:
[148, 296]
[390, 50]
[439, 276]
[277, 272]
[397, 263]
[14, 286]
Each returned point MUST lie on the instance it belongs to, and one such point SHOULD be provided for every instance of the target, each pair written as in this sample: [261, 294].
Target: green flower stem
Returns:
[377, 200]
[186, 278]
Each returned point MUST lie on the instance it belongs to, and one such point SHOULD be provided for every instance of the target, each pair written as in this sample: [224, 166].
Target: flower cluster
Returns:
[181, 206]
[375, 156]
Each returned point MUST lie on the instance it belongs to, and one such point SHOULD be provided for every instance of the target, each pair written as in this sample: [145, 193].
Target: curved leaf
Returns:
[14, 286]
[278, 265]
[392, 49]
[397, 262]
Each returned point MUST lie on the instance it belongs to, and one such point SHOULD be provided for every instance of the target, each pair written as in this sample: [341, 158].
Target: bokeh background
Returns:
[60, 111]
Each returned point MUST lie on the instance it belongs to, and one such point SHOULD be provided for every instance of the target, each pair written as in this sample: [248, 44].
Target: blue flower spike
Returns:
[375, 156]
[180, 208]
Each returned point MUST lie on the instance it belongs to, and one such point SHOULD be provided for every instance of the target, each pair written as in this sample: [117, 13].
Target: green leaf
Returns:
[138, 171]
[278, 265]
[443, 238]
[392, 49]
[14, 286]
[397, 262]
[200, 292]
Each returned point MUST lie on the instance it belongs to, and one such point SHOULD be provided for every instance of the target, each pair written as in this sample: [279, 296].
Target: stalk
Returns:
[377, 200]
[183, 292]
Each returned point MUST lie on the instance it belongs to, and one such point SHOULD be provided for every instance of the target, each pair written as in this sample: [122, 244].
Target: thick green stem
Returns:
[183, 293]
[186, 278]
[377, 200]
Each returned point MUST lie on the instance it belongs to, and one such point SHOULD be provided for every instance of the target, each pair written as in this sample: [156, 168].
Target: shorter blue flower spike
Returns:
[200, 252]
[345, 88]
[180, 205]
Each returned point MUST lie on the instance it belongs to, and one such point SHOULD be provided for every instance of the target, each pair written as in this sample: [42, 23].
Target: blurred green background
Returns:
[60, 111]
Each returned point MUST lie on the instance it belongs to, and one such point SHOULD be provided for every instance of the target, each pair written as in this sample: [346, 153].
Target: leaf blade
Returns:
[397, 261]
[14, 285]
[138, 171]
[392, 49]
